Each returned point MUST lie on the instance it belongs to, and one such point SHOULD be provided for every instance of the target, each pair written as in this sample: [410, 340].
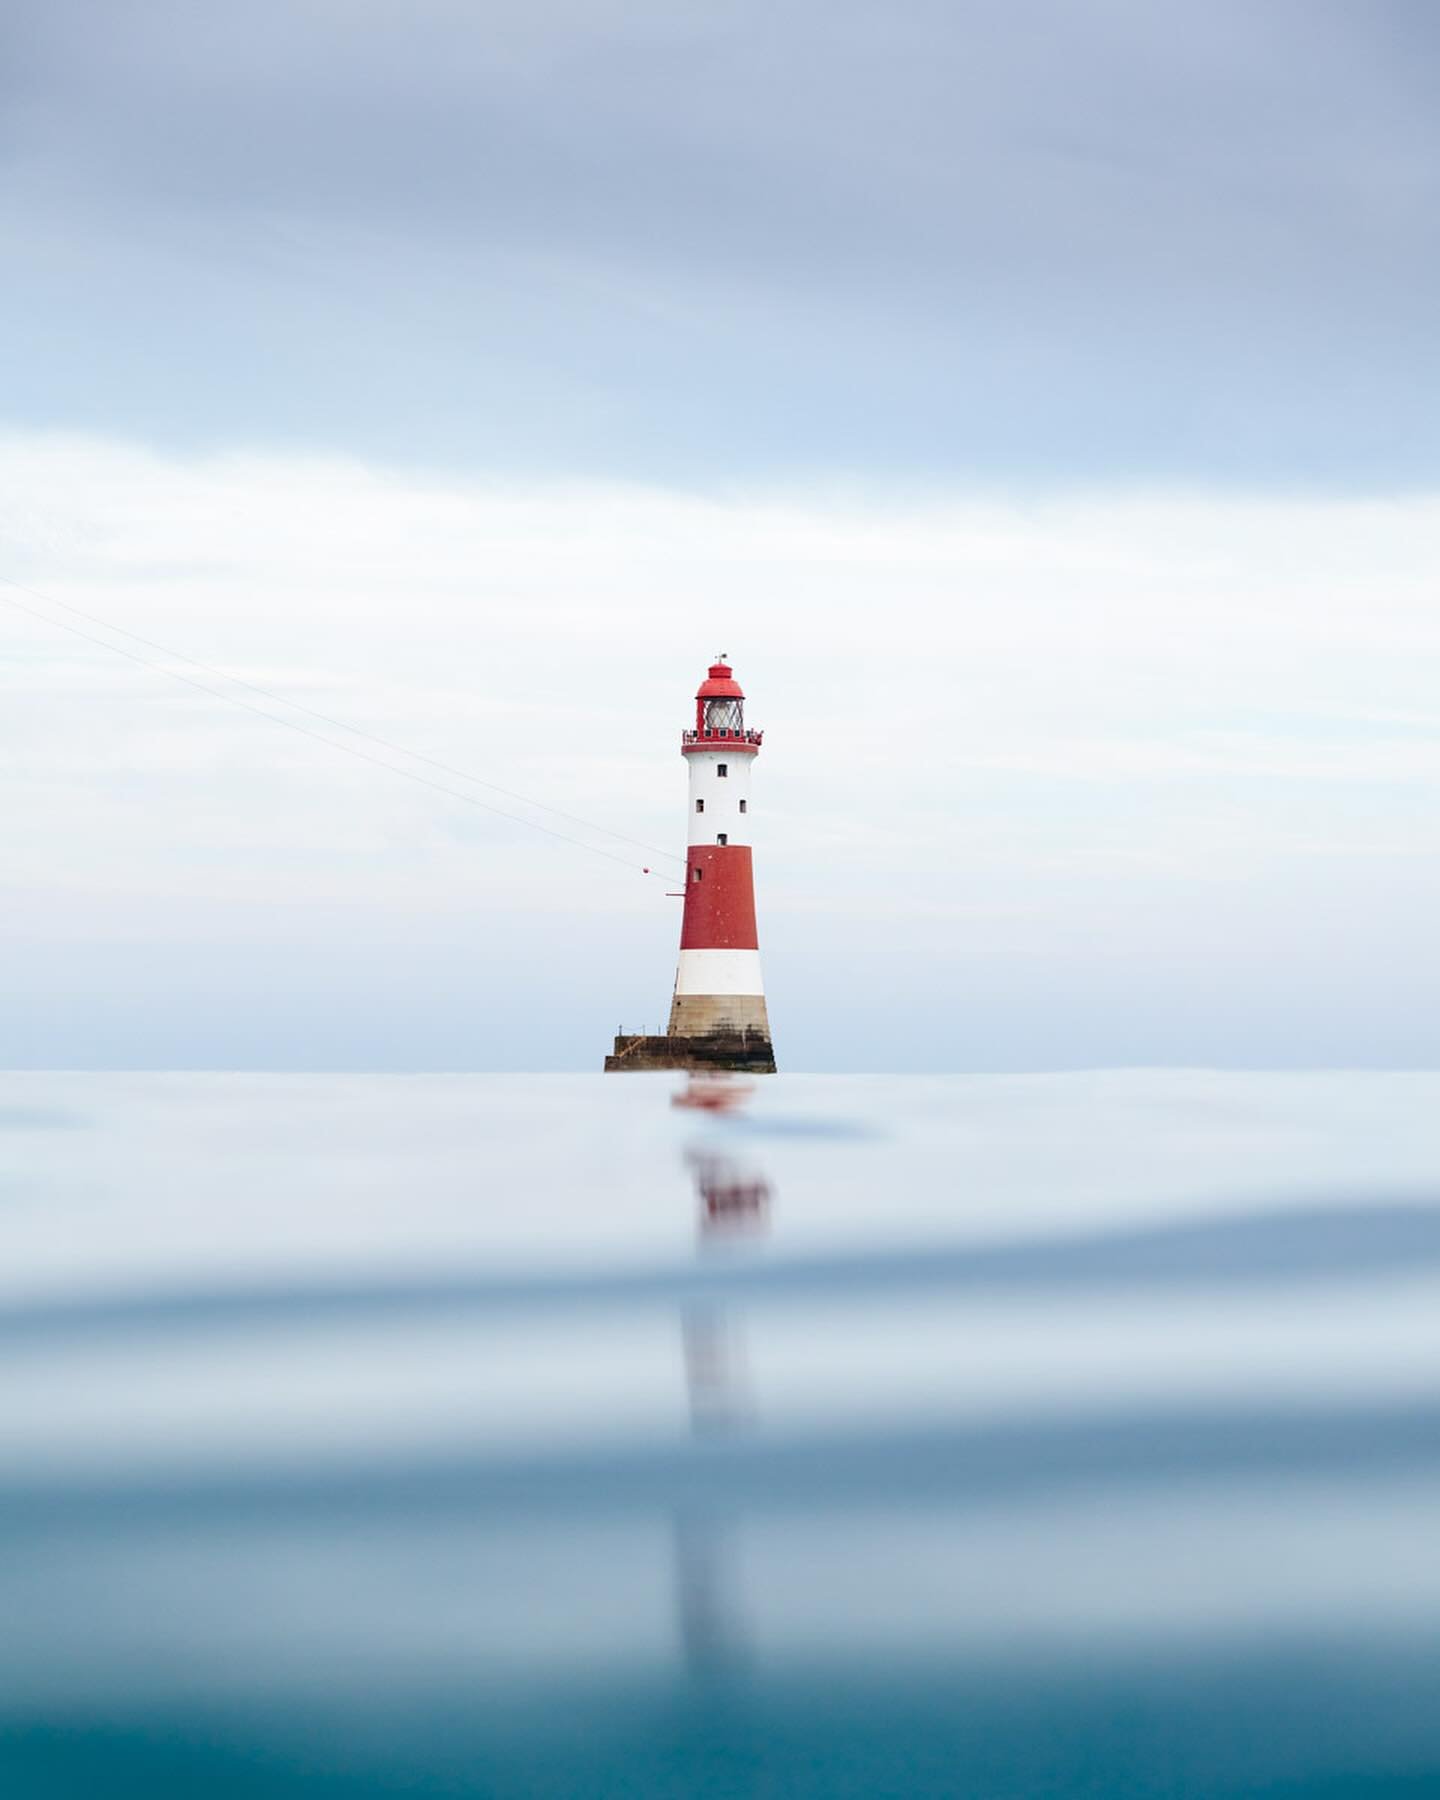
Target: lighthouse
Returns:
[717, 1012]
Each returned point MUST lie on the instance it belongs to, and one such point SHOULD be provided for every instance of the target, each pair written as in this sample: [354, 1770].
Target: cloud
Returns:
[1041, 242]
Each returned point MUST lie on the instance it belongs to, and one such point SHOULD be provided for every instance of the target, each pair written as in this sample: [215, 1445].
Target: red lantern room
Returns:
[720, 713]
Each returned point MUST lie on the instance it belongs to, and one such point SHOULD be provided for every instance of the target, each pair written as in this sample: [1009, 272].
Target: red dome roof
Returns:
[721, 684]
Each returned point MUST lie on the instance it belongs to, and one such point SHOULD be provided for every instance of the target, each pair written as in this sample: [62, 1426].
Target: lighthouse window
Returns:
[722, 770]
[742, 806]
[722, 838]
[699, 806]
[724, 716]
[695, 874]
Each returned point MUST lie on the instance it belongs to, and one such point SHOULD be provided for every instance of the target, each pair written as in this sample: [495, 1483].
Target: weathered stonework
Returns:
[703, 1015]
[747, 1051]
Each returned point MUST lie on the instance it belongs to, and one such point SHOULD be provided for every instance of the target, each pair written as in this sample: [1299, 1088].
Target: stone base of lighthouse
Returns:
[706, 1031]
[704, 1015]
[747, 1052]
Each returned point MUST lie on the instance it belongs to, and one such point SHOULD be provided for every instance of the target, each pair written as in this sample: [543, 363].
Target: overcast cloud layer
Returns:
[1013, 240]
[1037, 399]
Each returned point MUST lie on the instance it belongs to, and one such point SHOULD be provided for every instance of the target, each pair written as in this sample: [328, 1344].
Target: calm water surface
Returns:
[549, 1436]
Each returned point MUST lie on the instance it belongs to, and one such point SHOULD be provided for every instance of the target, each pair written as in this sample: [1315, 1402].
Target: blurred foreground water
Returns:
[557, 1436]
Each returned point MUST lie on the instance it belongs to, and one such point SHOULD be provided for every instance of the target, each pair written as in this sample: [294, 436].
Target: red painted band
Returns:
[720, 906]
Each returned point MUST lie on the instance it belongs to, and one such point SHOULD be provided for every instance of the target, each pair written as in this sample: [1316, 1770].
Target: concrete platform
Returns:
[748, 1051]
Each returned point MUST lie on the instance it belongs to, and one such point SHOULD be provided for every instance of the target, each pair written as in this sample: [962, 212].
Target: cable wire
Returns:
[373, 737]
[379, 762]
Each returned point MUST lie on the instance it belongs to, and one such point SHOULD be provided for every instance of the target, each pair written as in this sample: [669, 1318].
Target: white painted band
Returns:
[720, 798]
[719, 972]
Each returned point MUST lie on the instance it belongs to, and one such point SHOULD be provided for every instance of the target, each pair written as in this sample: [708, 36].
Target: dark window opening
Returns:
[721, 838]
[695, 874]
[722, 770]
[699, 806]
[743, 805]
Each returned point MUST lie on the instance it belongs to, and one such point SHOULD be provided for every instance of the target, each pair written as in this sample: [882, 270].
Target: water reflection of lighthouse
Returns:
[734, 1206]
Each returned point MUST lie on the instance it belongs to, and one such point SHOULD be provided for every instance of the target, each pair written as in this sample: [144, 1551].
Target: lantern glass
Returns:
[724, 715]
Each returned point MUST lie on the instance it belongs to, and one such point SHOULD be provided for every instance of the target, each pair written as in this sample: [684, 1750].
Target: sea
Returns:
[654, 1435]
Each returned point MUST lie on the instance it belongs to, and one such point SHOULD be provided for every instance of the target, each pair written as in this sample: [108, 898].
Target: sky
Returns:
[1036, 400]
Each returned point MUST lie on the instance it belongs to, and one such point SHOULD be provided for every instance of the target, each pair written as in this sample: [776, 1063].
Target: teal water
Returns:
[543, 1436]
